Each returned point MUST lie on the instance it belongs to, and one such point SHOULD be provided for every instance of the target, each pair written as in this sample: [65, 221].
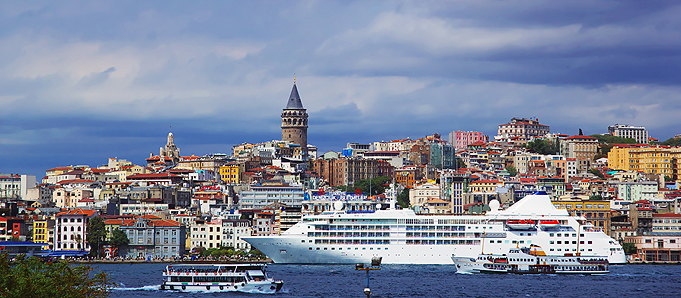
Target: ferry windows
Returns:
[498, 241]
[557, 242]
[590, 242]
[574, 235]
[550, 242]
[317, 248]
[574, 242]
[491, 241]
[550, 234]
[581, 242]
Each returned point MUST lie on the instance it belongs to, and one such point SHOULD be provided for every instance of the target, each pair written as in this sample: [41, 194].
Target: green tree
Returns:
[459, 163]
[96, 234]
[629, 248]
[257, 254]
[596, 198]
[668, 178]
[675, 142]
[597, 173]
[377, 185]
[512, 171]
[610, 139]
[119, 238]
[542, 147]
[32, 277]
[403, 198]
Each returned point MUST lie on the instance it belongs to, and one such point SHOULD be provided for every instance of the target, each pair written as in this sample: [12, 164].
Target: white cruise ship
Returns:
[402, 237]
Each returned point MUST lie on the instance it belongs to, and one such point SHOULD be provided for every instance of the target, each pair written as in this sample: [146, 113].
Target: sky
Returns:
[83, 81]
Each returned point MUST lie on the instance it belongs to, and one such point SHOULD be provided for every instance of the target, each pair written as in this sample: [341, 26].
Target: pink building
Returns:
[461, 139]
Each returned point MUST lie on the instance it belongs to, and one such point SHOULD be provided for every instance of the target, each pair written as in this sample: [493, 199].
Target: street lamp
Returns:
[375, 265]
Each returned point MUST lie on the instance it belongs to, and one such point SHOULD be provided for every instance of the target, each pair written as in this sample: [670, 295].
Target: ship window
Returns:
[557, 242]
[558, 235]
[333, 248]
[491, 241]
[590, 249]
[317, 248]
[498, 241]
[550, 242]
[559, 249]
[574, 242]
[581, 242]
[550, 234]
[522, 241]
[551, 249]
[589, 242]
[310, 248]
[574, 235]
[513, 241]
[303, 241]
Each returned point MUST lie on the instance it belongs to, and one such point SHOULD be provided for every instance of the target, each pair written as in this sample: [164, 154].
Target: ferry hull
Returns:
[262, 288]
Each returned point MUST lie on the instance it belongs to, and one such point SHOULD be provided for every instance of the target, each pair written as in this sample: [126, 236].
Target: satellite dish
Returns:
[378, 206]
[338, 205]
[494, 205]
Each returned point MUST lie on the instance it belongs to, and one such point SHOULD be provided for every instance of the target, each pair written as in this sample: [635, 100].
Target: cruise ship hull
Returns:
[402, 237]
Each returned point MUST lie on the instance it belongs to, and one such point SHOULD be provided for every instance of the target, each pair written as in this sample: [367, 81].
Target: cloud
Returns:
[84, 81]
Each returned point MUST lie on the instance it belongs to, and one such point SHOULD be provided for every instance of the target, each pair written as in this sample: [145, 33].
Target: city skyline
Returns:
[81, 82]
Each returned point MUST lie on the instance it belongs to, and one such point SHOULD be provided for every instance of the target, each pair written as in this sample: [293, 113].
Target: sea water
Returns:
[143, 280]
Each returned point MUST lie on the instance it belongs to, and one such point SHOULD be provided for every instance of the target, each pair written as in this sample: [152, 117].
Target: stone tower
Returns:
[294, 122]
[170, 150]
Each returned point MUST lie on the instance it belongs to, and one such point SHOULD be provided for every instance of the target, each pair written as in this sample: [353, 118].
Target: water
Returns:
[143, 280]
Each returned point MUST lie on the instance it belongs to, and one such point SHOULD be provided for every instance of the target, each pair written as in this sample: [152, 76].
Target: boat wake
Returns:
[144, 288]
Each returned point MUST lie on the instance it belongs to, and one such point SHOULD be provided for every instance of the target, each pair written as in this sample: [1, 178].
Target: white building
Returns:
[420, 194]
[70, 229]
[234, 230]
[638, 133]
[206, 234]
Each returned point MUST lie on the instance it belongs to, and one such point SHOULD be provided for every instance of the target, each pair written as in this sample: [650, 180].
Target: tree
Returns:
[459, 163]
[96, 233]
[629, 248]
[377, 185]
[32, 277]
[542, 147]
[668, 178]
[610, 139]
[512, 171]
[257, 254]
[580, 132]
[675, 142]
[597, 173]
[403, 198]
[596, 198]
[119, 238]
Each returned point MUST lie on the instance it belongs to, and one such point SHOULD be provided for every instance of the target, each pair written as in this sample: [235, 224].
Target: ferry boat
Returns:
[532, 261]
[250, 278]
[403, 237]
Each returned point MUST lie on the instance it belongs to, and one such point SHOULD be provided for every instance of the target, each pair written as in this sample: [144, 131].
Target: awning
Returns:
[68, 253]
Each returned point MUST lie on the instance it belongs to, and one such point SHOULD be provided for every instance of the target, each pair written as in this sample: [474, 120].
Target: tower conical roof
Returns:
[294, 100]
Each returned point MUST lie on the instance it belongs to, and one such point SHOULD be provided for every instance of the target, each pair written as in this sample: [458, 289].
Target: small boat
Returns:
[250, 278]
[532, 260]
[520, 224]
[544, 224]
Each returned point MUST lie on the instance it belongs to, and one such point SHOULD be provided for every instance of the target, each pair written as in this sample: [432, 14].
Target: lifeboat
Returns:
[549, 223]
[520, 224]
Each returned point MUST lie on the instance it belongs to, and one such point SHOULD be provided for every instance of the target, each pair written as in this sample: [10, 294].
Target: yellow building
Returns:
[650, 160]
[230, 173]
[43, 232]
[487, 186]
[596, 212]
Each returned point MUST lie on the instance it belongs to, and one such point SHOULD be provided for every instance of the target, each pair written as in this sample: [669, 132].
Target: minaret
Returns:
[294, 122]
